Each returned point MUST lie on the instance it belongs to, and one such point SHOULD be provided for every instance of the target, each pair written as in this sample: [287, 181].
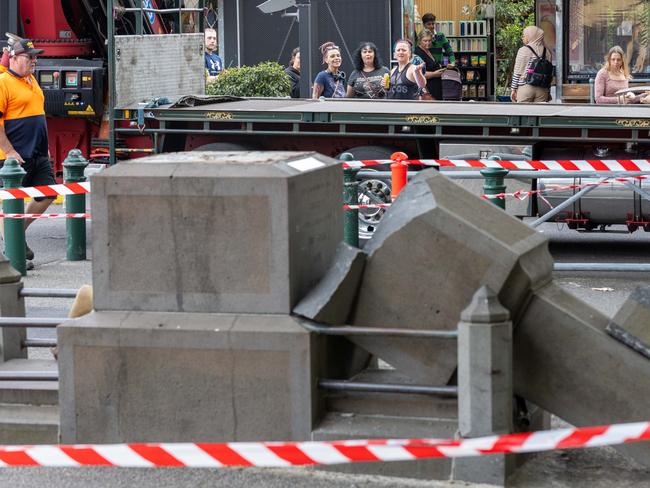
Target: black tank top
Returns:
[401, 88]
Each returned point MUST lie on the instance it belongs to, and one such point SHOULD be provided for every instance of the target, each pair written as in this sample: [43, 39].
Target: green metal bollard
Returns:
[494, 184]
[350, 197]
[73, 172]
[14, 229]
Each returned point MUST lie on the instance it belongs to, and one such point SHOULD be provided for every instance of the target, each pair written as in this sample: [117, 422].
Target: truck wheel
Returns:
[372, 190]
[226, 146]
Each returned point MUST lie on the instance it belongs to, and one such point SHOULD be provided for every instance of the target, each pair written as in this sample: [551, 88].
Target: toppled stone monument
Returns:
[436, 246]
[198, 259]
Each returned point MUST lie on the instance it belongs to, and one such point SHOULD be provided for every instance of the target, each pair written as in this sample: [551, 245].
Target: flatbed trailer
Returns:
[334, 126]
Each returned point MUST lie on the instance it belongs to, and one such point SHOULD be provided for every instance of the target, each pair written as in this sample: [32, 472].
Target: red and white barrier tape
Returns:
[519, 194]
[550, 165]
[370, 205]
[283, 454]
[44, 216]
[523, 194]
[45, 191]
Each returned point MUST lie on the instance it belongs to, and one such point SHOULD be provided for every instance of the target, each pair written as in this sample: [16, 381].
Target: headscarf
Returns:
[535, 37]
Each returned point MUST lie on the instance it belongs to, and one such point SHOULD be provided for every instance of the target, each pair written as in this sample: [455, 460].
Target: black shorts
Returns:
[39, 173]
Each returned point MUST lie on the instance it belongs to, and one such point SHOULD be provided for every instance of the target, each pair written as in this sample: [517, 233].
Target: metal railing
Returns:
[346, 385]
[29, 376]
[48, 292]
[346, 330]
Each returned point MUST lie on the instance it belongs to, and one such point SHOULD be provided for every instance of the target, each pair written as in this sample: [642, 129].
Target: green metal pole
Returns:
[350, 197]
[73, 172]
[494, 184]
[14, 229]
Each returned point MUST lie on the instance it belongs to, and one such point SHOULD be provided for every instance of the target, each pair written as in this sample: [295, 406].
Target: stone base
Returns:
[179, 377]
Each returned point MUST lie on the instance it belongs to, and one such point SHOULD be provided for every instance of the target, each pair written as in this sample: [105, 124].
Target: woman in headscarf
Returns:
[521, 92]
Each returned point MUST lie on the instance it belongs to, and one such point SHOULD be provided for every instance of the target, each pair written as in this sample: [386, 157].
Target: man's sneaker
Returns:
[29, 265]
[29, 254]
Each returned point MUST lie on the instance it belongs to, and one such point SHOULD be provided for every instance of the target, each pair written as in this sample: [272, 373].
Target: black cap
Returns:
[24, 46]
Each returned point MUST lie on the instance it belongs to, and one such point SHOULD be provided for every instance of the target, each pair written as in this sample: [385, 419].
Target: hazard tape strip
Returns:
[550, 165]
[283, 454]
[44, 216]
[45, 191]
[370, 205]
[523, 194]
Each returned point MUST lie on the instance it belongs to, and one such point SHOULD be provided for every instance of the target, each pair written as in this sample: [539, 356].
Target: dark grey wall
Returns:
[8, 19]
[272, 37]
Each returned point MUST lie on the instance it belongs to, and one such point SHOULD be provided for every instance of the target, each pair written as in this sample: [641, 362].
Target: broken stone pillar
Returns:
[436, 246]
[12, 304]
[631, 325]
[484, 385]
[198, 259]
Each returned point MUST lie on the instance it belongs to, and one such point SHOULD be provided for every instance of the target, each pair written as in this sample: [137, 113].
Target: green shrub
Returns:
[512, 16]
[263, 80]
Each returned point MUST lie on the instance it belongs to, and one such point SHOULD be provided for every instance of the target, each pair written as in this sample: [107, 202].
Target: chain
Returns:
[338, 29]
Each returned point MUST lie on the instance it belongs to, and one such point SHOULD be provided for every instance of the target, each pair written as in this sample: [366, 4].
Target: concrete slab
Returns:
[214, 232]
[331, 300]
[130, 377]
[29, 424]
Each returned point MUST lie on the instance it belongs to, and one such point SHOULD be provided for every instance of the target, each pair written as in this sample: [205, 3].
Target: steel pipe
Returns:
[563, 205]
[39, 343]
[29, 376]
[344, 385]
[48, 292]
[623, 267]
[312, 326]
[31, 322]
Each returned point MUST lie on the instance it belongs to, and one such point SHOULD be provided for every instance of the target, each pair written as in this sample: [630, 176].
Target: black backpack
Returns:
[540, 72]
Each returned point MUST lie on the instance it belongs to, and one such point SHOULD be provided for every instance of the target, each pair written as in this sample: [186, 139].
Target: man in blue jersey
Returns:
[213, 63]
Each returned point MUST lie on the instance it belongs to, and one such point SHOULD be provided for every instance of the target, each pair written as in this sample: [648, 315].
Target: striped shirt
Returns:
[517, 79]
[440, 47]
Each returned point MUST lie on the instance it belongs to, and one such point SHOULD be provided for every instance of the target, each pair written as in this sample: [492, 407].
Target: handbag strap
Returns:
[543, 56]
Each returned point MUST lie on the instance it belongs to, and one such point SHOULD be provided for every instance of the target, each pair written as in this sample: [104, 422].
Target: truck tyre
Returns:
[372, 190]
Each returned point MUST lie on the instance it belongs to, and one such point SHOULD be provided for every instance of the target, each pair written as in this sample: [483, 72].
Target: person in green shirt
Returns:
[440, 47]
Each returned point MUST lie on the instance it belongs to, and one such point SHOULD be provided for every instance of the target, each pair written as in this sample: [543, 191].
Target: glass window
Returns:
[597, 25]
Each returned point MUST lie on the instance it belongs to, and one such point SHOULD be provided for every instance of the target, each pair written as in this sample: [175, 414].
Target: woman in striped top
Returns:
[533, 38]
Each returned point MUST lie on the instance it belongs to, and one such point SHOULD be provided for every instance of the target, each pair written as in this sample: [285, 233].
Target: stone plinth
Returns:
[150, 376]
[214, 232]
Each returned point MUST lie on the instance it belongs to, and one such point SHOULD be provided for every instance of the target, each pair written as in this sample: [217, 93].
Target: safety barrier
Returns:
[541, 165]
[13, 206]
[286, 454]
[494, 172]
